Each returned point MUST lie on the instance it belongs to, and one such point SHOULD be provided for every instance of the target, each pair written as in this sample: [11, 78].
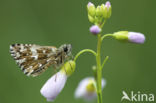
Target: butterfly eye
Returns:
[65, 49]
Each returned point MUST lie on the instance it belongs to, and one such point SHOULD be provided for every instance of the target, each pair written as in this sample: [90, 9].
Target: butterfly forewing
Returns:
[33, 59]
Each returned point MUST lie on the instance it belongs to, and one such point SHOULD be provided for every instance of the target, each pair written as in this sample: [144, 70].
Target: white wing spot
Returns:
[25, 71]
[30, 71]
[12, 54]
[53, 49]
[22, 67]
[44, 51]
[30, 67]
[40, 65]
[11, 47]
[21, 61]
[35, 56]
[48, 60]
[17, 55]
[34, 52]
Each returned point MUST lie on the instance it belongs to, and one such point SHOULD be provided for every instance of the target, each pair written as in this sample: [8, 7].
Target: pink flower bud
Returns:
[95, 29]
[90, 4]
[135, 37]
[108, 4]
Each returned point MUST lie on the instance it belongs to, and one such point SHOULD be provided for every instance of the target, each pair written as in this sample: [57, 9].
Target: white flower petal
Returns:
[54, 86]
[103, 82]
[81, 91]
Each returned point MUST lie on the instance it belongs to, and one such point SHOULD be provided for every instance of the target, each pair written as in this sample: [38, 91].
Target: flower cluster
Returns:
[97, 14]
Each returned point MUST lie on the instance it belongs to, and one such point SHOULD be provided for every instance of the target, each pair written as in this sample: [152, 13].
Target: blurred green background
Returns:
[131, 67]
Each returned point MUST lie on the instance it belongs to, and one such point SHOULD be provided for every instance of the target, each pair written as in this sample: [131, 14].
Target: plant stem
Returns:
[103, 23]
[99, 66]
[105, 60]
[106, 35]
[83, 51]
[99, 73]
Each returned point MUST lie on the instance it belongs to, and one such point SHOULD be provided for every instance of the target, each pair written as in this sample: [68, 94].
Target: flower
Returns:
[95, 29]
[133, 37]
[56, 83]
[86, 88]
[54, 86]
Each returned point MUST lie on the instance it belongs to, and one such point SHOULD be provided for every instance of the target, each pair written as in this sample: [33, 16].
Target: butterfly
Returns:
[35, 59]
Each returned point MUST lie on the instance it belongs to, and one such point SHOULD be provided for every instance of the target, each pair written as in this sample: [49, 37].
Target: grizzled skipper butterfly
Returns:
[35, 59]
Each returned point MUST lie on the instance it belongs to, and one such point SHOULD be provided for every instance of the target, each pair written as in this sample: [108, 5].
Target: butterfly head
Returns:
[66, 48]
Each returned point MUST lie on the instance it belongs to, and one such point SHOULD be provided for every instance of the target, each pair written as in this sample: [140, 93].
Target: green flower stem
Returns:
[99, 67]
[106, 35]
[99, 73]
[103, 23]
[105, 60]
[83, 51]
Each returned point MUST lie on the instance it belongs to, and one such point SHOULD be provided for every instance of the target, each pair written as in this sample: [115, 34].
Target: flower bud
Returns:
[54, 86]
[91, 19]
[95, 29]
[91, 9]
[107, 10]
[99, 11]
[104, 10]
[68, 67]
[136, 37]
[121, 35]
[108, 5]
[132, 37]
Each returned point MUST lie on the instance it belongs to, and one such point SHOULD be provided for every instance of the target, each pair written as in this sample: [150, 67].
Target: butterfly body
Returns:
[35, 59]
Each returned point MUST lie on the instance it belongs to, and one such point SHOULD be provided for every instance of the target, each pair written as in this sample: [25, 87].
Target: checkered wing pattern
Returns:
[33, 59]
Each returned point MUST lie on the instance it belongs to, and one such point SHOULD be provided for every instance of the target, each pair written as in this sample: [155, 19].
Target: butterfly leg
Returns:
[56, 74]
[55, 70]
